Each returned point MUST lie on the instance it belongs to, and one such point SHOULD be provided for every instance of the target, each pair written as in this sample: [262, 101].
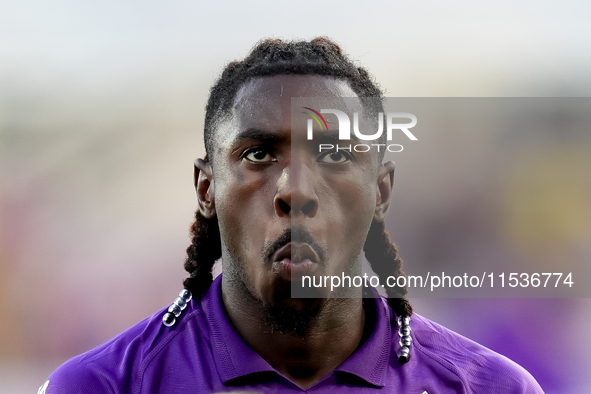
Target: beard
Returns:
[284, 317]
[292, 309]
[282, 313]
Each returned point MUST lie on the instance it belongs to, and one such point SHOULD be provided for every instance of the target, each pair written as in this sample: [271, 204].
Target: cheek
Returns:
[359, 210]
[349, 214]
[351, 198]
[243, 205]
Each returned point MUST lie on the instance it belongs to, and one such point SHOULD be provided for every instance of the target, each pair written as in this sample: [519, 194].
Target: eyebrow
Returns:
[258, 134]
[329, 136]
[265, 136]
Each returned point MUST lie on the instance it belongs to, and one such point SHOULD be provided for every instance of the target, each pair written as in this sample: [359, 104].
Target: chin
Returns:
[291, 316]
[294, 316]
[293, 296]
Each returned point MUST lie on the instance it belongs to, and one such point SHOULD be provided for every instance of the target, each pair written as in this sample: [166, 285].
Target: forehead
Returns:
[265, 103]
[279, 89]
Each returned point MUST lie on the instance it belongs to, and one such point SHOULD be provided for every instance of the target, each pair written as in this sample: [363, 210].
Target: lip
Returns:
[295, 260]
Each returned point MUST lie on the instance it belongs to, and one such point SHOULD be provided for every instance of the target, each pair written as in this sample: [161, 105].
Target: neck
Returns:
[305, 358]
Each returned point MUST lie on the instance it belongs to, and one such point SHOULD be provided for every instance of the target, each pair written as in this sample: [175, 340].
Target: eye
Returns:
[258, 155]
[334, 157]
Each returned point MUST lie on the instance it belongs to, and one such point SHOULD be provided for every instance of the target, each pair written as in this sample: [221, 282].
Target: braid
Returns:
[382, 255]
[205, 249]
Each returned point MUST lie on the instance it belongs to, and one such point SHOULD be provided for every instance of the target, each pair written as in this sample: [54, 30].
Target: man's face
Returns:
[283, 208]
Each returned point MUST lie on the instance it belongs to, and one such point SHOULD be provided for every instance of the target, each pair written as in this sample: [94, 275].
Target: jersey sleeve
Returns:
[481, 370]
[111, 367]
[499, 374]
[77, 377]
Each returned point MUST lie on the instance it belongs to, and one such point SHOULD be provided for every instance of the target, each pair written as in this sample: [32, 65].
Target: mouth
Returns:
[294, 260]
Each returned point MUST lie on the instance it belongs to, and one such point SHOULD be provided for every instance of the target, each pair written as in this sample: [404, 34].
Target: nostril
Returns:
[284, 206]
[306, 209]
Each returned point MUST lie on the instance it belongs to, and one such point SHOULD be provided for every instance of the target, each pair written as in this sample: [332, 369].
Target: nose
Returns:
[295, 195]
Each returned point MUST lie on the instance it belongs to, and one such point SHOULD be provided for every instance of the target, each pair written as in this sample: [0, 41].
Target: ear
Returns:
[385, 183]
[205, 187]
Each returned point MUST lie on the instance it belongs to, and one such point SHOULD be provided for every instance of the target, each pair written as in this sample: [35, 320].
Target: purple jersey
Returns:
[203, 353]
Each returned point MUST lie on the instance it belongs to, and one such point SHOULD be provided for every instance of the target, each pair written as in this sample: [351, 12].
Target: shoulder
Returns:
[479, 368]
[115, 366]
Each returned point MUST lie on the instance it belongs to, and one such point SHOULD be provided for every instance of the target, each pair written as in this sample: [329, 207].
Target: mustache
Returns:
[299, 234]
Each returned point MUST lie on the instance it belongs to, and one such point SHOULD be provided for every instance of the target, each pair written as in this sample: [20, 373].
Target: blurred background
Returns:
[101, 116]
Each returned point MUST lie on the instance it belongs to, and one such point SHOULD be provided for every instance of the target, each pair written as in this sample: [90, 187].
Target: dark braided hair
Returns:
[382, 255]
[276, 57]
[205, 249]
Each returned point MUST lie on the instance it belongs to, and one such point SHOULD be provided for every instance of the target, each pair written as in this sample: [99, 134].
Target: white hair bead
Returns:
[176, 308]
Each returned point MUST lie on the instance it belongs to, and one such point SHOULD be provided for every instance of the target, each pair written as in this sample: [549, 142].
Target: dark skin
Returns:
[258, 186]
